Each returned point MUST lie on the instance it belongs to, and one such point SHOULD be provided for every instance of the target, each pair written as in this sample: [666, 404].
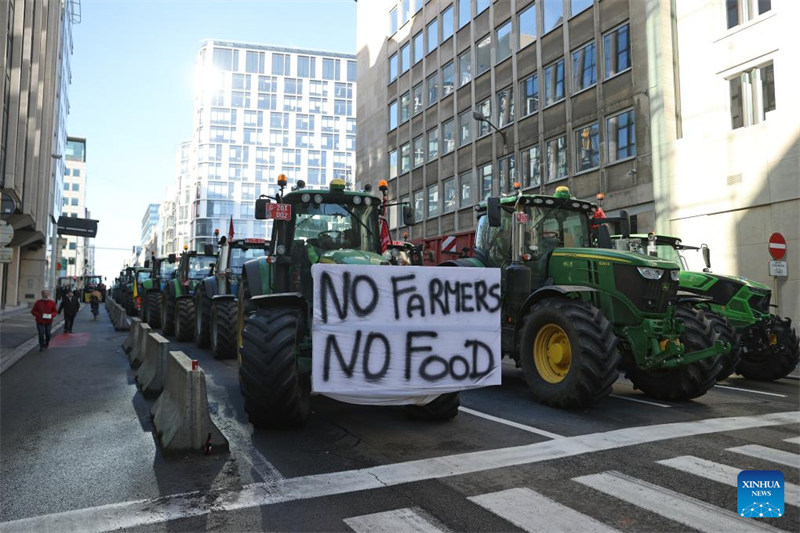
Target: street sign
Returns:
[6, 232]
[778, 269]
[777, 246]
[6, 254]
[448, 244]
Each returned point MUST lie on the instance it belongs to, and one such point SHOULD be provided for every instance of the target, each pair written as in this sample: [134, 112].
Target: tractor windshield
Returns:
[166, 269]
[200, 266]
[663, 251]
[239, 256]
[335, 226]
[143, 275]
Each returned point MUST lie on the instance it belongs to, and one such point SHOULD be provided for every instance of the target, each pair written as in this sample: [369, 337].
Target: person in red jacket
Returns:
[44, 311]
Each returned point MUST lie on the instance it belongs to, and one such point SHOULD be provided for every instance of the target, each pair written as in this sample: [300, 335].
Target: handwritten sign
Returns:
[279, 211]
[387, 335]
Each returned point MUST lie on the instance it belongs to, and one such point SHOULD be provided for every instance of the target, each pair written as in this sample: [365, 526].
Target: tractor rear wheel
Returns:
[127, 303]
[153, 305]
[775, 357]
[224, 319]
[727, 333]
[168, 314]
[275, 392]
[184, 319]
[687, 381]
[202, 327]
[443, 407]
[569, 353]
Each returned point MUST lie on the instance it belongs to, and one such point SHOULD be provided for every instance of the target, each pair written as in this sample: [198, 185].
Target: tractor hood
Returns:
[615, 256]
[695, 279]
[352, 257]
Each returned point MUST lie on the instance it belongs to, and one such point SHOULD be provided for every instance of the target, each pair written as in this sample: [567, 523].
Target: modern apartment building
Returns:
[73, 257]
[640, 100]
[35, 44]
[261, 111]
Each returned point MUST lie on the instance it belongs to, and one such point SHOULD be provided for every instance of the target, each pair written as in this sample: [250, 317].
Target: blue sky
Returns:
[131, 92]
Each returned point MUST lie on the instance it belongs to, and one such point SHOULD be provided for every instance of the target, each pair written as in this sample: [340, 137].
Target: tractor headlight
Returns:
[650, 273]
[357, 200]
[675, 275]
[306, 197]
[317, 198]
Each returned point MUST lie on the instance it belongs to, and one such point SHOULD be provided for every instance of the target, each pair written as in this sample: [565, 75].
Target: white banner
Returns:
[390, 334]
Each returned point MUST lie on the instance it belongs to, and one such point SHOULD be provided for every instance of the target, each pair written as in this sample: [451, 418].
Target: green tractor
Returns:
[215, 298]
[131, 297]
[177, 297]
[276, 295]
[575, 315]
[766, 346]
[153, 288]
[90, 285]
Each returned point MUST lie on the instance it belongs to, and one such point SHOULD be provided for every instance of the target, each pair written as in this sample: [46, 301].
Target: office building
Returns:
[73, 257]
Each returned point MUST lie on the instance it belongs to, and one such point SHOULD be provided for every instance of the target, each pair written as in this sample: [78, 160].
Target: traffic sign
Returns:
[6, 232]
[448, 244]
[6, 254]
[777, 246]
[778, 269]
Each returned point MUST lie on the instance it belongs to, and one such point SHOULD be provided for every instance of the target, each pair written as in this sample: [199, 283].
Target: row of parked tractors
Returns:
[579, 305]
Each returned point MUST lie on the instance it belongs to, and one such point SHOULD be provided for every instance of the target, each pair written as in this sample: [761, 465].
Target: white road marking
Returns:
[397, 521]
[722, 474]
[631, 399]
[750, 390]
[523, 427]
[155, 511]
[536, 513]
[795, 440]
[669, 504]
[768, 454]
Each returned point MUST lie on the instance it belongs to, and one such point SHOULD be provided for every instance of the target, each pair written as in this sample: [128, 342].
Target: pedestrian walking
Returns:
[70, 306]
[44, 310]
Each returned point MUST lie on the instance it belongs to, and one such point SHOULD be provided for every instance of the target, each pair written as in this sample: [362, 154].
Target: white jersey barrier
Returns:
[140, 339]
[150, 375]
[130, 340]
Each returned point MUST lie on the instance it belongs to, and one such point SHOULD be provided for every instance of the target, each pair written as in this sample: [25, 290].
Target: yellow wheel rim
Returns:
[773, 339]
[552, 353]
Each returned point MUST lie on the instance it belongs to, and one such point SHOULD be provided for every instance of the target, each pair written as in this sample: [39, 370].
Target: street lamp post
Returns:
[477, 115]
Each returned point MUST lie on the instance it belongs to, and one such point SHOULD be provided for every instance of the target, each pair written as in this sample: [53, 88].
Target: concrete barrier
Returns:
[150, 375]
[130, 340]
[180, 414]
[122, 322]
[139, 341]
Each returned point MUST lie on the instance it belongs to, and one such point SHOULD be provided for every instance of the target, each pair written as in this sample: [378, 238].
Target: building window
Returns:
[752, 94]
[584, 68]
[448, 136]
[418, 5]
[405, 158]
[254, 62]
[416, 99]
[281, 65]
[553, 11]
[464, 68]
[433, 144]
[740, 11]
[73, 201]
[433, 201]
[576, 6]
[449, 195]
[504, 41]
[306, 66]
[465, 186]
[465, 127]
[447, 23]
[485, 174]
[419, 151]
[556, 164]
[464, 12]
[481, 6]
[405, 108]
[505, 107]
[507, 172]
[419, 49]
[352, 71]
[485, 109]
[587, 143]
[433, 35]
[392, 164]
[554, 83]
[531, 167]
[392, 68]
[527, 26]
[393, 115]
[621, 136]
[433, 88]
[484, 55]
[393, 21]
[530, 94]
[448, 79]
[331, 69]
[617, 50]
[405, 57]
[403, 202]
[419, 204]
[405, 11]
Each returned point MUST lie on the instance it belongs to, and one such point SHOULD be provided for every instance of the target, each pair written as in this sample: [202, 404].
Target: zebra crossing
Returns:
[534, 512]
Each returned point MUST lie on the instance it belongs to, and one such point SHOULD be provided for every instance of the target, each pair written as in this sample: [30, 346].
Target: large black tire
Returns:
[275, 393]
[153, 306]
[568, 352]
[127, 303]
[202, 326]
[224, 322]
[443, 407]
[727, 333]
[687, 381]
[184, 320]
[168, 314]
[774, 358]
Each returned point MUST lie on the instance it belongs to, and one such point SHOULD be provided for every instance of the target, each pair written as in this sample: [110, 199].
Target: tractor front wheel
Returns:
[443, 407]
[569, 353]
[775, 356]
[275, 392]
[687, 381]
[202, 325]
[184, 319]
[153, 305]
[727, 333]
[224, 320]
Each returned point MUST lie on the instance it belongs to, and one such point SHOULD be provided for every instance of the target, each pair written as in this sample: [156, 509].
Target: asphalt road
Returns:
[77, 452]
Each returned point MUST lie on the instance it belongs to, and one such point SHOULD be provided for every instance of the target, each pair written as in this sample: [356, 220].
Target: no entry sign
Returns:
[777, 246]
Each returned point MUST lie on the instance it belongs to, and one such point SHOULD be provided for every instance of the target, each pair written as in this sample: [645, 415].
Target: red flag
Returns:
[230, 230]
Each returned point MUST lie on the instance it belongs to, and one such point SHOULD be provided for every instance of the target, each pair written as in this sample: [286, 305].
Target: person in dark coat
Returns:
[70, 305]
[44, 310]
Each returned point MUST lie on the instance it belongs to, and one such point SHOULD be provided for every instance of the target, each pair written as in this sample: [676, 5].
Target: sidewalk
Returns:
[18, 334]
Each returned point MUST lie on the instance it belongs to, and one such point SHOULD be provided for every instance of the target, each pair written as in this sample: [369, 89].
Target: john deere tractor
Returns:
[177, 299]
[131, 297]
[574, 316]
[276, 295]
[766, 346]
[216, 297]
[154, 287]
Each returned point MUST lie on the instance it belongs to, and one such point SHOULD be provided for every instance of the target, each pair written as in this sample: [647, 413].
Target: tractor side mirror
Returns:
[493, 211]
[603, 237]
[408, 216]
[208, 249]
[147, 263]
[624, 224]
[261, 208]
[706, 251]
[171, 258]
